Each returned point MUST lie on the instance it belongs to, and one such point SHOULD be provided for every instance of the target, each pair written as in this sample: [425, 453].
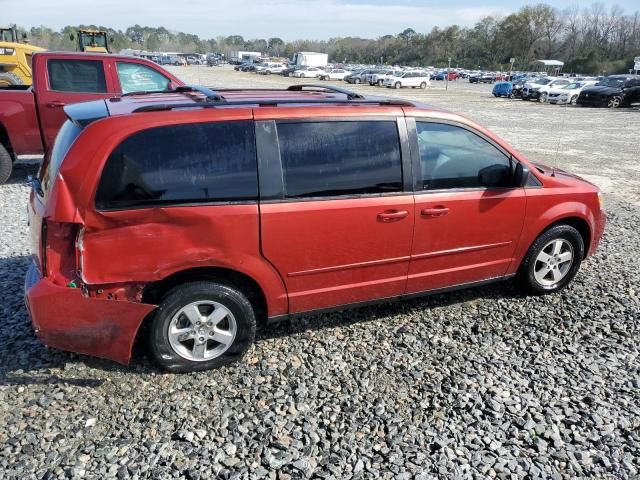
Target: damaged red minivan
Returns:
[186, 217]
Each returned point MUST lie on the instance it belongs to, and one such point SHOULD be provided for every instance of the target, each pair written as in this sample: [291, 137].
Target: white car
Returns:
[568, 94]
[335, 74]
[270, 68]
[539, 89]
[408, 79]
[311, 72]
[380, 77]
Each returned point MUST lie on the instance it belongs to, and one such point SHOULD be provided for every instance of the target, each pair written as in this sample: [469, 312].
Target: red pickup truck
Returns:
[31, 116]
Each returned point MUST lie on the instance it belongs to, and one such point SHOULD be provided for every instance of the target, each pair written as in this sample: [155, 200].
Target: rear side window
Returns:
[79, 76]
[322, 159]
[177, 164]
[51, 165]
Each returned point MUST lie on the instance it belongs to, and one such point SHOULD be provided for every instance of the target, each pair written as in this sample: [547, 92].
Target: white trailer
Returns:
[310, 59]
[246, 56]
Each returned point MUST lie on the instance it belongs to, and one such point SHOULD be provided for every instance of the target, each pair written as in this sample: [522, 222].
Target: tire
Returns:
[573, 100]
[380, 82]
[179, 355]
[397, 85]
[10, 78]
[356, 81]
[423, 85]
[496, 95]
[6, 165]
[543, 98]
[267, 72]
[538, 277]
[614, 102]
[302, 75]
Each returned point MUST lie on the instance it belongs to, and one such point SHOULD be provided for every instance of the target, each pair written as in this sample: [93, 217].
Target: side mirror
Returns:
[494, 175]
[521, 175]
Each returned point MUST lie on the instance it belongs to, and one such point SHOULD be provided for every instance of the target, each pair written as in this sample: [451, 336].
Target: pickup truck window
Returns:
[76, 76]
[135, 77]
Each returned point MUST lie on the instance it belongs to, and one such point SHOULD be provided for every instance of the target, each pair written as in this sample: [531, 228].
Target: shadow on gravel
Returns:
[21, 351]
[21, 171]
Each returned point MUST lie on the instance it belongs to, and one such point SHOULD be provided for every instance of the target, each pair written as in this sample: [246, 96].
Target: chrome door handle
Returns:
[392, 215]
[434, 212]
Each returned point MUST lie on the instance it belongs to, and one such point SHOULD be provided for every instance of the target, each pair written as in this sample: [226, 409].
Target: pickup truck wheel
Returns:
[6, 164]
[10, 78]
[200, 326]
[552, 261]
[614, 102]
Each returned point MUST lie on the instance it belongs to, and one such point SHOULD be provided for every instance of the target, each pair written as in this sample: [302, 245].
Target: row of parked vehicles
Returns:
[613, 91]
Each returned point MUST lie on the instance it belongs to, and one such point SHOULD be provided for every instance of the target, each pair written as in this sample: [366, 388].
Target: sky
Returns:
[287, 19]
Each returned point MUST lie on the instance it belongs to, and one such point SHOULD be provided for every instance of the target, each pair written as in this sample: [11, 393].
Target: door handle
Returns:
[56, 104]
[434, 212]
[392, 215]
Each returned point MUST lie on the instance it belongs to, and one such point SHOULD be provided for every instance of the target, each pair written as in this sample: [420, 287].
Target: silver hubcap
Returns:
[553, 262]
[202, 330]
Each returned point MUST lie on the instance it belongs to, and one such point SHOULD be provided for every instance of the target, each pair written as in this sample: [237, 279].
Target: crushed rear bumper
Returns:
[64, 318]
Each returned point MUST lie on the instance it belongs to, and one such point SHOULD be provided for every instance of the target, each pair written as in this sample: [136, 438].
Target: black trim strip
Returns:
[406, 296]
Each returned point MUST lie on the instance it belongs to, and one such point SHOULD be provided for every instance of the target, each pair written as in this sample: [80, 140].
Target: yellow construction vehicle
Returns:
[15, 58]
[94, 41]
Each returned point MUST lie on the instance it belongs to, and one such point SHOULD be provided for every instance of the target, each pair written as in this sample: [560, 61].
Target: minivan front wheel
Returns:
[552, 261]
[200, 326]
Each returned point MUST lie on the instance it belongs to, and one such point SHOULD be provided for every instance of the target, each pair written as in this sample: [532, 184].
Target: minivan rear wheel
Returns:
[200, 326]
[552, 261]
[6, 164]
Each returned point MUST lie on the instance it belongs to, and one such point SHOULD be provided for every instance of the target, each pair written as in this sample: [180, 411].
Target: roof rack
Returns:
[351, 95]
[210, 95]
[272, 103]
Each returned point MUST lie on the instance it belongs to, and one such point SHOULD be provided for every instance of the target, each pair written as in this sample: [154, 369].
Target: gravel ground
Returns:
[473, 384]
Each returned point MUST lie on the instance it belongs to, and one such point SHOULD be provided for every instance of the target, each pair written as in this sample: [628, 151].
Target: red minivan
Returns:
[188, 217]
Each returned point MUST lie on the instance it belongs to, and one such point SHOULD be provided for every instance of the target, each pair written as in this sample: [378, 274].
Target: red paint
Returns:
[31, 117]
[303, 255]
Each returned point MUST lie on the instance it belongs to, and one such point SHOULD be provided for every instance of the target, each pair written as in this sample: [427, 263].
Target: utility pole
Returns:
[446, 85]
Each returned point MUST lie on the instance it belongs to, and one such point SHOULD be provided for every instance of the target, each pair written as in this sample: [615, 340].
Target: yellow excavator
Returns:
[94, 41]
[15, 58]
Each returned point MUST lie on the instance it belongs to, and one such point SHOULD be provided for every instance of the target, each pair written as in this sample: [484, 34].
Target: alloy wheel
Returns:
[201, 331]
[553, 262]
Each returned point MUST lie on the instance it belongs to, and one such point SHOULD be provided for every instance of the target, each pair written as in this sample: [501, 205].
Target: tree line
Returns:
[589, 40]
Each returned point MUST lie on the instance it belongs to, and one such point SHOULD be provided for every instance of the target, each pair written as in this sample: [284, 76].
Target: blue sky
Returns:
[289, 19]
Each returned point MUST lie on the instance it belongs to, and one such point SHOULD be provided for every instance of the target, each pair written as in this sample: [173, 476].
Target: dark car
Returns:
[613, 92]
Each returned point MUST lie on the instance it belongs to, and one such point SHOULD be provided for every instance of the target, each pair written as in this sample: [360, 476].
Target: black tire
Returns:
[6, 164]
[526, 274]
[356, 81]
[397, 85]
[543, 98]
[423, 85]
[573, 100]
[10, 78]
[177, 298]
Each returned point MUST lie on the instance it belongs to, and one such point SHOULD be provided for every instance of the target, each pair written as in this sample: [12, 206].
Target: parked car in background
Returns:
[30, 118]
[539, 88]
[380, 77]
[567, 94]
[335, 74]
[309, 72]
[271, 68]
[408, 79]
[613, 91]
[517, 86]
[502, 89]
[358, 76]
[428, 200]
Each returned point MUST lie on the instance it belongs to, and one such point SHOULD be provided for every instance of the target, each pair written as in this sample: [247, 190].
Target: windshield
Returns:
[93, 40]
[6, 35]
[542, 81]
[571, 86]
[398, 74]
[612, 82]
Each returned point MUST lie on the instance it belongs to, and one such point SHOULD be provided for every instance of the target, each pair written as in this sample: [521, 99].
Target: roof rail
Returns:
[272, 103]
[351, 95]
[210, 95]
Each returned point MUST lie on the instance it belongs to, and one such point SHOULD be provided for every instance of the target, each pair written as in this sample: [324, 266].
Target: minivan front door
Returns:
[465, 231]
[336, 219]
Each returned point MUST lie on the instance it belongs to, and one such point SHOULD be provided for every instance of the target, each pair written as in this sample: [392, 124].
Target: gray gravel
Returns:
[473, 384]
